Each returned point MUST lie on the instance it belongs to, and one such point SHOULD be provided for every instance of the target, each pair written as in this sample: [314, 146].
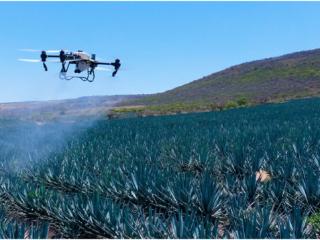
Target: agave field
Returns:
[181, 176]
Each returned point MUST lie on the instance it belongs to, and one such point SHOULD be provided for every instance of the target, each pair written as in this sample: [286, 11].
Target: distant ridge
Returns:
[285, 77]
[57, 109]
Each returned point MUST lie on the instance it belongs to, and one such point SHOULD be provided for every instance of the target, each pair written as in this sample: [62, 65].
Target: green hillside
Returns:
[289, 76]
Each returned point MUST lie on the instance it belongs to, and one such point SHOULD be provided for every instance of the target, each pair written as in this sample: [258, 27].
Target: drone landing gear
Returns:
[89, 78]
[45, 66]
[63, 69]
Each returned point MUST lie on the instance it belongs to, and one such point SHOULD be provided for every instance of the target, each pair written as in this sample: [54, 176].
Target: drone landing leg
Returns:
[45, 67]
[90, 73]
[63, 69]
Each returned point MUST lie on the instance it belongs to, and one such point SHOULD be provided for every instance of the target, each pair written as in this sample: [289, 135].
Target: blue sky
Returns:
[161, 44]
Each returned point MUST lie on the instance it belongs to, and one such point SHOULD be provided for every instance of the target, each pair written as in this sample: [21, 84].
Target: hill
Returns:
[279, 78]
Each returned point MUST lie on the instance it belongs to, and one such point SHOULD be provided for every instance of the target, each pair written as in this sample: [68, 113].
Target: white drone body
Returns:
[83, 63]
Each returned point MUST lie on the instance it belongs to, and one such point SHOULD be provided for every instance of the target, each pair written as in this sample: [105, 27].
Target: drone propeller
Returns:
[74, 60]
[36, 50]
[34, 60]
[103, 69]
[29, 60]
[54, 51]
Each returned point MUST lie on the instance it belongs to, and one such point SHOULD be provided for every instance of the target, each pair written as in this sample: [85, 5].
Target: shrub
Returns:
[242, 101]
[231, 104]
[314, 220]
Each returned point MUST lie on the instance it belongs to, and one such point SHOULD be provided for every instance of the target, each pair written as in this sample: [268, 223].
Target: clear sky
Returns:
[161, 44]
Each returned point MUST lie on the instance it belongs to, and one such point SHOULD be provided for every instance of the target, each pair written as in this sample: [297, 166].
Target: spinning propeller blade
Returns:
[103, 69]
[29, 50]
[29, 60]
[34, 60]
[73, 60]
[56, 51]
[36, 50]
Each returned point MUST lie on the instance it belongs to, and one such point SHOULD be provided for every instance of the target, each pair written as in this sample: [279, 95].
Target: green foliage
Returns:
[231, 104]
[176, 107]
[242, 101]
[314, 220]
[163, 109]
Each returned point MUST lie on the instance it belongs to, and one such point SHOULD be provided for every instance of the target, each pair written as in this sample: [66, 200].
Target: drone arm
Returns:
[53, 56]
[103, 63]
[115, 64]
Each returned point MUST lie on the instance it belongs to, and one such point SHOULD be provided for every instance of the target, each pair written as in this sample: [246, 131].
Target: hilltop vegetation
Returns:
[174, 108]
[276, 79]
[242, 173]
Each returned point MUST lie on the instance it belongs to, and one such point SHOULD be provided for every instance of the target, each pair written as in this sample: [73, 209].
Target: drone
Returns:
[85, 64]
